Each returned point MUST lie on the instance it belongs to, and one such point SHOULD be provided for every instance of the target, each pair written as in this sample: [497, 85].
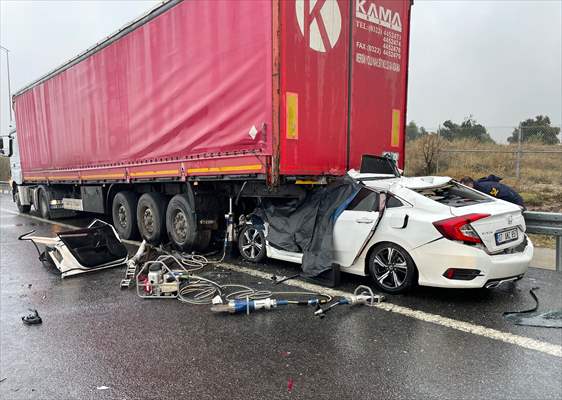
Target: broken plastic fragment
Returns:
[32, 319]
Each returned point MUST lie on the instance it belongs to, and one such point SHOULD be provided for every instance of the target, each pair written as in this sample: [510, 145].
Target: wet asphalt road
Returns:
[94, 334]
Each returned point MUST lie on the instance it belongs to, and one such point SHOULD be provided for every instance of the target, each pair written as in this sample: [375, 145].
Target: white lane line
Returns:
[40, 219]
[522, 341]
[494, 334]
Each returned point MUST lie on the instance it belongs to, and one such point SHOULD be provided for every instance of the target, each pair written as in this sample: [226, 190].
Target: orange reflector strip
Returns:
[395, 135]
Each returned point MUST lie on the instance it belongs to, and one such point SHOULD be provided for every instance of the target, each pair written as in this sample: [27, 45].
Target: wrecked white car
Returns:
[430, 231]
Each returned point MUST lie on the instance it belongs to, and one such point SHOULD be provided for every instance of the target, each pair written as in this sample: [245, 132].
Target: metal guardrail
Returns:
[544, 223]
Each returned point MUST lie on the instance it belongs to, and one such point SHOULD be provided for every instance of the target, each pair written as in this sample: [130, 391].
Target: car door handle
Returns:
[364, 220]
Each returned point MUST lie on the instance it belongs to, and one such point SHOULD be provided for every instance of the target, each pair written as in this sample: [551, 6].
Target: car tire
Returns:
[251, 243]
[151, 217]
[391, 268]
[181, 225]
[124, 213]
[43, 204]
[21, 208]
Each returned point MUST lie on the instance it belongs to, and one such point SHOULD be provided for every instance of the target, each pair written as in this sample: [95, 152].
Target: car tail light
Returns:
[458, 228]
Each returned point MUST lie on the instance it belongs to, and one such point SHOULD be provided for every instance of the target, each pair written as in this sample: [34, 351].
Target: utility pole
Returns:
[9, 85]
[518, 160]
[439, 153]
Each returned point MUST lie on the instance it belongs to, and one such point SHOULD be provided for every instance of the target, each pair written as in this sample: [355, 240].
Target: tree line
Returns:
[533, 130]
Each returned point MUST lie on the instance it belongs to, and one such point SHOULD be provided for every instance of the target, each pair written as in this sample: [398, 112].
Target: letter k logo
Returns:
[319, 22]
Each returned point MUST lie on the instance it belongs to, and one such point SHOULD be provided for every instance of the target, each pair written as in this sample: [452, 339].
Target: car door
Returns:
[353, 227]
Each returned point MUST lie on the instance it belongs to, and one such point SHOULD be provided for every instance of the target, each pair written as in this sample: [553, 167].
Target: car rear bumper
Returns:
[434, 258]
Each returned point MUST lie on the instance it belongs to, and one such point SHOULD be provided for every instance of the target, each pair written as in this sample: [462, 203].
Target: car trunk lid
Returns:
[503, 229]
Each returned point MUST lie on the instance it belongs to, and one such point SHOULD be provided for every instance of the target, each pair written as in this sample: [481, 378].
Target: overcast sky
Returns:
[498, 60]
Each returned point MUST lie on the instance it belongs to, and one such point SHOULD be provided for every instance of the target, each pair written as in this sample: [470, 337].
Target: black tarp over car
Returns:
[306, 225]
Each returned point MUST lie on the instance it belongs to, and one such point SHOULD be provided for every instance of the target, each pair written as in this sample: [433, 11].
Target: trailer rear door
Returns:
[314, 75]
[343, 83]
[379, 63]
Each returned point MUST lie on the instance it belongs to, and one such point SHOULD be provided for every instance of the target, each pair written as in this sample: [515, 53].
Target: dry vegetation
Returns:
[541, 174]
[4, 169]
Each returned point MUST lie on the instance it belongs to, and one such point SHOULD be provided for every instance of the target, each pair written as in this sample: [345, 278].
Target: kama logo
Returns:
[378, 15]
[319, 22]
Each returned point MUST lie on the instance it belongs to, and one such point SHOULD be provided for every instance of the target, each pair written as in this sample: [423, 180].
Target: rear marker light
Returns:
[462, 274]
[458, 228]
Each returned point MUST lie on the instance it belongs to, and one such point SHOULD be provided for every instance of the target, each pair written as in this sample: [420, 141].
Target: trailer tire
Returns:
[151, 217]
[21, 208]
[124, 213]
[43, 204]
[181, 225]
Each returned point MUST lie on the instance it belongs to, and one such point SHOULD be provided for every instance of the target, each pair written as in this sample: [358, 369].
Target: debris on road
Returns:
[548, 319]
[280, 279]
[290, 385]
[102, 387]
[32, 319]
[169, 274]
[81, 250]
[362, 295]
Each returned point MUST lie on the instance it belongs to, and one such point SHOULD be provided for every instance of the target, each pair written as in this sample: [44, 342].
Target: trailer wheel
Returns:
[151, 217]
[181, 224]
[124, 213]
[43, 206]
[21, 208]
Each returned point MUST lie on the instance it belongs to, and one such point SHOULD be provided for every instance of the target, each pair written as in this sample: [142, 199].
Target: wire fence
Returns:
[531, 152]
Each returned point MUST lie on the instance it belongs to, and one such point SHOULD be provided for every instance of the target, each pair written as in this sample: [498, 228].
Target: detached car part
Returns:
[82, 250]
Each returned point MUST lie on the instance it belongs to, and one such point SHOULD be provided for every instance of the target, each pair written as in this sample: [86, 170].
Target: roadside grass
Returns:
[4, 169]
[540, 184]
[543, 241]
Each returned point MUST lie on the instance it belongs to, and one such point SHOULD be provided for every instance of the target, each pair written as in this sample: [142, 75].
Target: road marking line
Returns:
[39, 219]
[522, 341]
[490, 333]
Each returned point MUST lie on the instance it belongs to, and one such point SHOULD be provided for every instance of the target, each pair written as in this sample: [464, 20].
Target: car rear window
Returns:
[454, 195]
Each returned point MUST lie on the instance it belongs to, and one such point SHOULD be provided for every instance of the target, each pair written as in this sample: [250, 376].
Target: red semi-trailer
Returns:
[198, 102]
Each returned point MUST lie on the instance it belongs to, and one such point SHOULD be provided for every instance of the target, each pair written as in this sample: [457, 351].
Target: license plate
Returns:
[507, 236]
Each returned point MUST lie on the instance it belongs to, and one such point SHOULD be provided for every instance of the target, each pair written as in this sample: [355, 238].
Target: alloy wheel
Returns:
[252, 243]
[390, 267]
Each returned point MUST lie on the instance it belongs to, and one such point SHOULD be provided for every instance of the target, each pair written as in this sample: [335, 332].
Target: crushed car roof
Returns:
[383, 181]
